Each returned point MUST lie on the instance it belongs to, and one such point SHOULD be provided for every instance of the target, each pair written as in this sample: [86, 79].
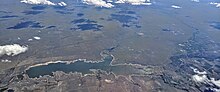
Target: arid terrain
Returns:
[126, 46]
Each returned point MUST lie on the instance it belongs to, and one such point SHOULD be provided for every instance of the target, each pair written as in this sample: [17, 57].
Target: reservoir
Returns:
[84, 67]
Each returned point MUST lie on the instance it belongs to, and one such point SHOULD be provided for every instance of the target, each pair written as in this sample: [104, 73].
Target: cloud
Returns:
[195, 0]
[108, 3]
[217, 4]
[62, 4]
[135, 2]
[12, 50]
[46, 2]
[38, 2]
[99, 3]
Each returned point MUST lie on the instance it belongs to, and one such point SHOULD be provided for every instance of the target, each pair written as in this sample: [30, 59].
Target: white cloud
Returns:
[108, 3]
[176, 7]
[216, 4]
[38, 2]
[12, 50]
[99, 3]
[62, 4]
[46, 2]
[195, 0]
[135, 2]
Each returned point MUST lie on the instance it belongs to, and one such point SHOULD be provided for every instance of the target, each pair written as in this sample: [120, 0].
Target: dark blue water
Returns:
[123, 18]
[94, 27]
[77, 21]
[78, 66]
[215, 25]
[51, 27]
[127, 12]
[80, 14]
[9, 16]
[27, 24]
[39, 7]
[32, 12]
[59, 7]
[208, 90]
[166, 30]
[84, 68]
[86, 24]
[125, 25]
[64, 12]
[137, 26]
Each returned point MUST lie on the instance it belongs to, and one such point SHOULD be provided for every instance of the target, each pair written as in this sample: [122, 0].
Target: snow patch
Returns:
[37, 38]
[201, 77]
[30, 39]
[6, 61]
[176, 6]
